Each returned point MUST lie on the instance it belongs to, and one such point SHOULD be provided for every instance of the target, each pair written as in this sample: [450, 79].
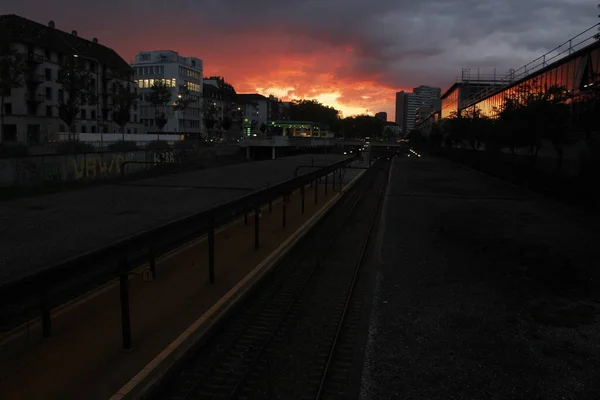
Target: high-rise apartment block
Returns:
[407, 104]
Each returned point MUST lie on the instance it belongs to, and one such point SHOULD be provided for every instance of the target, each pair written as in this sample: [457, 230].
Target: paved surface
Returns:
[482, 291]
[83, 359]
[40, 231]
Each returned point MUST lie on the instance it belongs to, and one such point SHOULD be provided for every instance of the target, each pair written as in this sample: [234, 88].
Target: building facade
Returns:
[223, 99]
[257, 110]
[407, 104]
[576, 71]
[31, 113]
[176, 71]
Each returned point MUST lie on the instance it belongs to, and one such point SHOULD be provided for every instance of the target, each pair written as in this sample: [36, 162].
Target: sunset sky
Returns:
[350, 54]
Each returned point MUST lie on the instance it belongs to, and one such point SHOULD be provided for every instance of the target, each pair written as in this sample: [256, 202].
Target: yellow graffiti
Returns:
[97, 166]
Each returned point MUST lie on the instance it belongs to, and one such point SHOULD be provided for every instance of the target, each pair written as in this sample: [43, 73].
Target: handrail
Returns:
[45, 277]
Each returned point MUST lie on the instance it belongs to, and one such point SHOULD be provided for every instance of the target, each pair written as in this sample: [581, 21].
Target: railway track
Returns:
[296, 337]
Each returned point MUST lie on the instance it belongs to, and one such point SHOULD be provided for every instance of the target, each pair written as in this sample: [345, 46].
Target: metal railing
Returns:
[114, 259]
[570, 46]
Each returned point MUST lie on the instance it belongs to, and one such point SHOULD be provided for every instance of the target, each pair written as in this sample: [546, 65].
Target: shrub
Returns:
[74, 147]
[158, 145]
[184, 145]
[13, 150]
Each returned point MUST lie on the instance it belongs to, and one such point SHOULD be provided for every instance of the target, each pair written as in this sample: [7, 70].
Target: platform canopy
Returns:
[298, 124]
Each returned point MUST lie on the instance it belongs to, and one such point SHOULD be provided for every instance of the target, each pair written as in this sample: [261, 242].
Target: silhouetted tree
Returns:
[123, 101]
[362, 126]
[226, 123]
[77, 87]
[209, 114]
[11, 76]
[184, 99]
[314, 111]
[160, 96]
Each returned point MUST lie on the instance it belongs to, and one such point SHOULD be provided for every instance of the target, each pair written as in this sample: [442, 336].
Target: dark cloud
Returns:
[393, 44]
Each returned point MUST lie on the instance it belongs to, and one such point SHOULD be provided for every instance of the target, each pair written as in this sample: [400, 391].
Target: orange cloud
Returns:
[285, 66]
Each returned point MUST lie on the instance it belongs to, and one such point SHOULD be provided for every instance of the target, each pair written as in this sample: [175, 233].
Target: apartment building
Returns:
[223, 97]
[407, 104]
[31, 112]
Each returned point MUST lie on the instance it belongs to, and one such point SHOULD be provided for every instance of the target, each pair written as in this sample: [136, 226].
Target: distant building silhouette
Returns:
[382, 115]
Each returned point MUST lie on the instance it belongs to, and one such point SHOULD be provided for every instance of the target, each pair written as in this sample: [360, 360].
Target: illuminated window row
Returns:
[148, 83]
[194, 87]
[189, 72]
[149, 70]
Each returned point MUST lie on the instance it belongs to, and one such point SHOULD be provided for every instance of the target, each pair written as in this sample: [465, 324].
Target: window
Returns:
[48, 54]
[93, 129]
[48, 74]
[61, 95]
[83, 129]
[31, 109]
[7, 109]
[83, 114]
[48, 111]
[49, 93]
[93, 114]
[135, 130]
[93, 84]
[82, 99]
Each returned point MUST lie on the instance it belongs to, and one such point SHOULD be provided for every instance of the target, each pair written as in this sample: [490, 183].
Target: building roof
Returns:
[17, 29]
[251, 96]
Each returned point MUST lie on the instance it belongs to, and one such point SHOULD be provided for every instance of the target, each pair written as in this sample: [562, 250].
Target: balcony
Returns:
[35, 58]
[35, 98]
[34, 79]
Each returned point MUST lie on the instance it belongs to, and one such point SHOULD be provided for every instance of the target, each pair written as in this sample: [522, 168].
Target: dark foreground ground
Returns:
[482, 291]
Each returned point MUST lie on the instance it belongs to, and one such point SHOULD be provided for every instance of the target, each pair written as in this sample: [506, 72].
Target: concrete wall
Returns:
[34, 170]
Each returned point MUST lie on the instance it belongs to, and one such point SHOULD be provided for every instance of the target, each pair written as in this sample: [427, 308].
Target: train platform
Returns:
[40, 231]
[83, 359]
[482, 290]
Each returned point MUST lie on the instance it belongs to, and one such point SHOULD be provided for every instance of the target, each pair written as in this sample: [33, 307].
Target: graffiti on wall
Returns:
[38, 171]
[164, 157]
[97, 166]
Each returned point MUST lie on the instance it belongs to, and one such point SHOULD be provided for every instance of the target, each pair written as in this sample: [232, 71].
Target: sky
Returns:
[350, 54]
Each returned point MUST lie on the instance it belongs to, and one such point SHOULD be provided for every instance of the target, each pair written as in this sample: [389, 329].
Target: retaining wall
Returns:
[34, 170]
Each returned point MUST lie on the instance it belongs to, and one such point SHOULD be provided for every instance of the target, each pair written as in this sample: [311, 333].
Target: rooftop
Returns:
[16, 29]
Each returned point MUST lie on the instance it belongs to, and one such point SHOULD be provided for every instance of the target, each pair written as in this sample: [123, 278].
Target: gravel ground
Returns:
[37, 232]
[484, 291]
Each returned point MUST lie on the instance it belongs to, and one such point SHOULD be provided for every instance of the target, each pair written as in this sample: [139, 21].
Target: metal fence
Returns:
[45, 287]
